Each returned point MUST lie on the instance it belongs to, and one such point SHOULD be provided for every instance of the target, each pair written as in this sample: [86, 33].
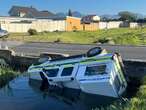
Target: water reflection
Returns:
[21, 94]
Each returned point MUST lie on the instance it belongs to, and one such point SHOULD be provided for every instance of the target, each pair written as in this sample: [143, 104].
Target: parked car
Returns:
[3, 33]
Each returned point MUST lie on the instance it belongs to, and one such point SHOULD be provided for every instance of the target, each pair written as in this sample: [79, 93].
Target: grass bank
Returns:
[123, 36]
[136, 103]
[6, 75]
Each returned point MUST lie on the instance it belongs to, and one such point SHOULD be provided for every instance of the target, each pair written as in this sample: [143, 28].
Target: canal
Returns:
[24, 94]
[20, 94]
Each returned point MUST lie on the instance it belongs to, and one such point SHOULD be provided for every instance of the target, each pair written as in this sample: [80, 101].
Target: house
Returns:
[28, 12]
[90, 22]
[90, 18]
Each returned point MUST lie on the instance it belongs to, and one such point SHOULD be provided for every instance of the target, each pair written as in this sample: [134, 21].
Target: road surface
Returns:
[127, 52]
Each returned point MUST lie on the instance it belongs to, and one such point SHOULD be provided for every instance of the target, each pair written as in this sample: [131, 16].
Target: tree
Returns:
[127, 16]
[69, 12]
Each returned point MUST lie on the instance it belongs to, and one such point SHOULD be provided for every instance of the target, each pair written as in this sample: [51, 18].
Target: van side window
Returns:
[96, 70]
[52, 72]
[67, 71]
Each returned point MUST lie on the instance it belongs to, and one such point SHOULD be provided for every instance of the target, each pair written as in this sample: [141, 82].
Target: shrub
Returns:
[74, 28]
[32, 32]
[103, 40]
[7, 75]
[45, 31]
[56, 31]
[57, 40]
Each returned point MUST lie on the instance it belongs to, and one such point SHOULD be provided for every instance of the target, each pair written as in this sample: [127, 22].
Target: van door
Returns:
[68, 72]
[68, 76]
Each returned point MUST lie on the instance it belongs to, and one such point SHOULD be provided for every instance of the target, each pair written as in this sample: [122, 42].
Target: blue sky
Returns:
[98, 7]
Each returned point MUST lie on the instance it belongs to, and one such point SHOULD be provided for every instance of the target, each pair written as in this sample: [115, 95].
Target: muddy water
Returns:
[19, 94]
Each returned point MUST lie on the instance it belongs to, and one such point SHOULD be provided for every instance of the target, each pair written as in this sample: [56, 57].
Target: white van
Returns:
[96, 72]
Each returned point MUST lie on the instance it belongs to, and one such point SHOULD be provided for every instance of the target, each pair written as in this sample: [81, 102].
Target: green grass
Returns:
[136, 103]
[123, 36]
[6, 75]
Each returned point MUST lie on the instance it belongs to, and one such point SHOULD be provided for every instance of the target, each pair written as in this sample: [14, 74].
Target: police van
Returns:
[96, 72]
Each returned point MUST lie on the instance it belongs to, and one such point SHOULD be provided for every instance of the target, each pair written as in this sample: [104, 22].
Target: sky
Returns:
[99, 7]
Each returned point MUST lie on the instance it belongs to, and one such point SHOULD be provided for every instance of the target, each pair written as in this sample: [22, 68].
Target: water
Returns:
[21, 95]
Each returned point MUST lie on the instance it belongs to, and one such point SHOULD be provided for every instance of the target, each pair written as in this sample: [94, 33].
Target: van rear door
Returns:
[95, 79]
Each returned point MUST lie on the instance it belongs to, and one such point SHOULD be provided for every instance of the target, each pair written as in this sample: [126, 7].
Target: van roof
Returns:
[81, 59]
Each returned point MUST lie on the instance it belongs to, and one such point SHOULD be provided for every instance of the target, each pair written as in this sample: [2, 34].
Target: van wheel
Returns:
[94, 51]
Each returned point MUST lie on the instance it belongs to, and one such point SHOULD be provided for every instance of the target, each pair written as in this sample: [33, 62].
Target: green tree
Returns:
[69, 12]
[127, 16]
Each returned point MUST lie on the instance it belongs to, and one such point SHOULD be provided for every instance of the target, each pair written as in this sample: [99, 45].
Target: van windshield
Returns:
[95, 70]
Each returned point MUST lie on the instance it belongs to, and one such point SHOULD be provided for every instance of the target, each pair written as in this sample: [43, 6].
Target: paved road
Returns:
[127, 52]
[10, 44]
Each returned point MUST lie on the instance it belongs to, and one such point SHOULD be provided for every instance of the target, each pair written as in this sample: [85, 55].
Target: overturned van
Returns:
[96, 72]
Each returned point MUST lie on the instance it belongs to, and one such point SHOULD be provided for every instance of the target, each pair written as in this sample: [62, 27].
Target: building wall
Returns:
[73, 23]
[114, 24]
[134, 25]
[15, 25]
[90, 27]
[51, 25]
[59, 25]
[40, 25]
[103, 25]
[21, 14]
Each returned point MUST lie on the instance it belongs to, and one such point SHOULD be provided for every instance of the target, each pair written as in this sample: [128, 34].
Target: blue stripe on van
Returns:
[94, 79]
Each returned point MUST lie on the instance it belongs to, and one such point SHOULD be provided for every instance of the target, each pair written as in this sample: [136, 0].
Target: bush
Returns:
[56, 31]
[103, 40]
[7, 75]
[45, 32]
[32, 32]
[57, 40]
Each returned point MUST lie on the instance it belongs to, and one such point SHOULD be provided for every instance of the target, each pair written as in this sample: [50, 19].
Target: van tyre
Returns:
[94, 51]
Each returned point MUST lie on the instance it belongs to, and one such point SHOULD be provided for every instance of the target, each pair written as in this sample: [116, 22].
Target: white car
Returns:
[3, 33]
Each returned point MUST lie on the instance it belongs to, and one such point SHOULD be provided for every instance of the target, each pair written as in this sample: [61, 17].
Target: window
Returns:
[95, 70]
[67, 71]
[52, 72]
